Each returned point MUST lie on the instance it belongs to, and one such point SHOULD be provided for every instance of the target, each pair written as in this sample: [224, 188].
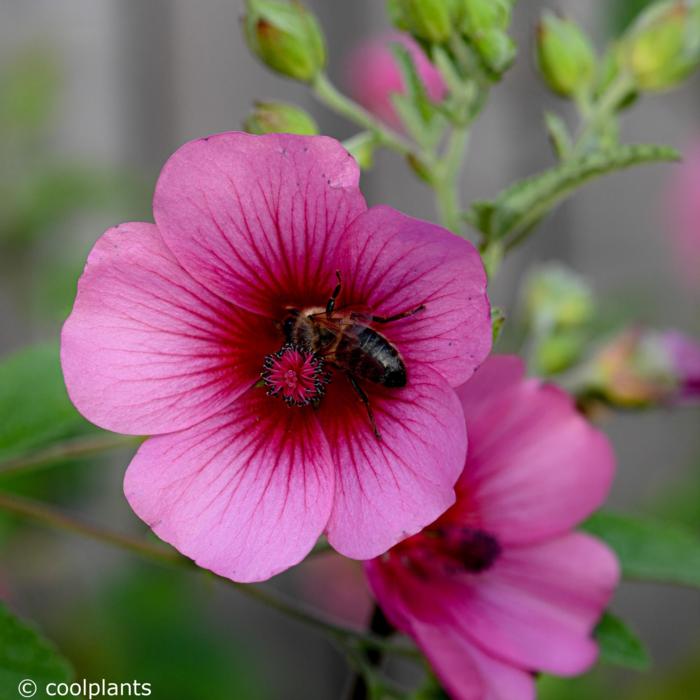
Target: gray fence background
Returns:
[143, 76]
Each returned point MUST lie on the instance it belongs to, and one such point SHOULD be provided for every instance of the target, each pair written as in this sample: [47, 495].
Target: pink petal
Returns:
[147, 349]
[537, 606]
[394, 263]
[258, 219]
[466, 672]
[245, 493]
[387, 490]
[536, 467]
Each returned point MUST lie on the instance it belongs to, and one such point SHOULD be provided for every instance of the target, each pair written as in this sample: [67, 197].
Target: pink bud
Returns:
[373, 75]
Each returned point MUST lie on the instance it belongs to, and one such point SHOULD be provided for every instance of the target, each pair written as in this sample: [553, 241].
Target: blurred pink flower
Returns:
[500, 586]
[684, 356]
[683, 204]
[174, 323]
[641, 367]
[373, 75]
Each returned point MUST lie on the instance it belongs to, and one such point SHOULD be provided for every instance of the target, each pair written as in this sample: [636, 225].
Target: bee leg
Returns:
[397, 317]
[365, 400]
[331, 302]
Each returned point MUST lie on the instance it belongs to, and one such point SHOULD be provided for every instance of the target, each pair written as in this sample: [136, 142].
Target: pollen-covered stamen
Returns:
[296, 375]
[449, 550]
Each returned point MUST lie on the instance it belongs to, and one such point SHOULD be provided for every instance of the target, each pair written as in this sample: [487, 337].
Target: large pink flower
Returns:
[373, 75]
[500, 586]
[174, 324]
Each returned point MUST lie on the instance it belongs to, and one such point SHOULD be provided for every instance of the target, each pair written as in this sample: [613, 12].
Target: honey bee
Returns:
[346, 341]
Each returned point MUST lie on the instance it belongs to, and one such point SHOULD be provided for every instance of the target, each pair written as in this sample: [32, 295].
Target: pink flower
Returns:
[499, 586]
[174, 324]
[373, 75]
[683, 204]
[683, 354]
[641, 367]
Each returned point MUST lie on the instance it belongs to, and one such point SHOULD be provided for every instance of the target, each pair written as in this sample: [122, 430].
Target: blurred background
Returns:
[94, 96]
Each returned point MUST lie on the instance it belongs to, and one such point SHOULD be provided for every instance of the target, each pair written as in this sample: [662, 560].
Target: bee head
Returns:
[289, 323]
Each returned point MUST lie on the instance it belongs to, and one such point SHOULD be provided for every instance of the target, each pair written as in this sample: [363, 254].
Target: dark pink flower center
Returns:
[448, 550]
[296, 375]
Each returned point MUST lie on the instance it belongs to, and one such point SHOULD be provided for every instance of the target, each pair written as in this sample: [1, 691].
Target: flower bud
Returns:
[286, 37]
[430, 20]
[641, 368]
[484, 15]
[557, 352]
[361, 148]
[279, 117]
[496, 49]
[663, 46]
[564, 55]
[374, 76]
[558, 298]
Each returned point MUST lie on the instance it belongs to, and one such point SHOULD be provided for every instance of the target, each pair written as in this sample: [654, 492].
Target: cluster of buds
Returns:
[481, 24]
[641, 368]
[658, 51]
[662, 47]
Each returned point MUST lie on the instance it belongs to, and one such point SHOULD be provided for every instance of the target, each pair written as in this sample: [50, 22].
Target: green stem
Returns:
[447, 181]
[329, 95]
[74, 448]
[53, 517]
[596, 115]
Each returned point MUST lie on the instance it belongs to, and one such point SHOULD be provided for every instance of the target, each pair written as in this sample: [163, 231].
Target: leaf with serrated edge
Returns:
[518, 208]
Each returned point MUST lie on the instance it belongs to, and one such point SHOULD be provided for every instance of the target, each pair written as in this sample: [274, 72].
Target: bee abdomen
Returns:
[374, 358]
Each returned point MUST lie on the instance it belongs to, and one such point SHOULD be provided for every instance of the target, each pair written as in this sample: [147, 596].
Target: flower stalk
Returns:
[324, 90]
[52, 517]
[75, 448]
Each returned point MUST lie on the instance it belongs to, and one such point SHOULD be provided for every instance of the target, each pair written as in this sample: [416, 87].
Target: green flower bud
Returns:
[279, 118]
[558, 298]
[663, 46]
[496, 50]
[430, 20]
[564, 55]
[484, 15]
[558, 352]
[286, 37]
[361, 147]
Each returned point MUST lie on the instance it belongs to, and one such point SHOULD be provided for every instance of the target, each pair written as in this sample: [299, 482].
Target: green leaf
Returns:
[25, 655]
[34, 406]
[650, 550]
[518, 208]
[619, 646]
